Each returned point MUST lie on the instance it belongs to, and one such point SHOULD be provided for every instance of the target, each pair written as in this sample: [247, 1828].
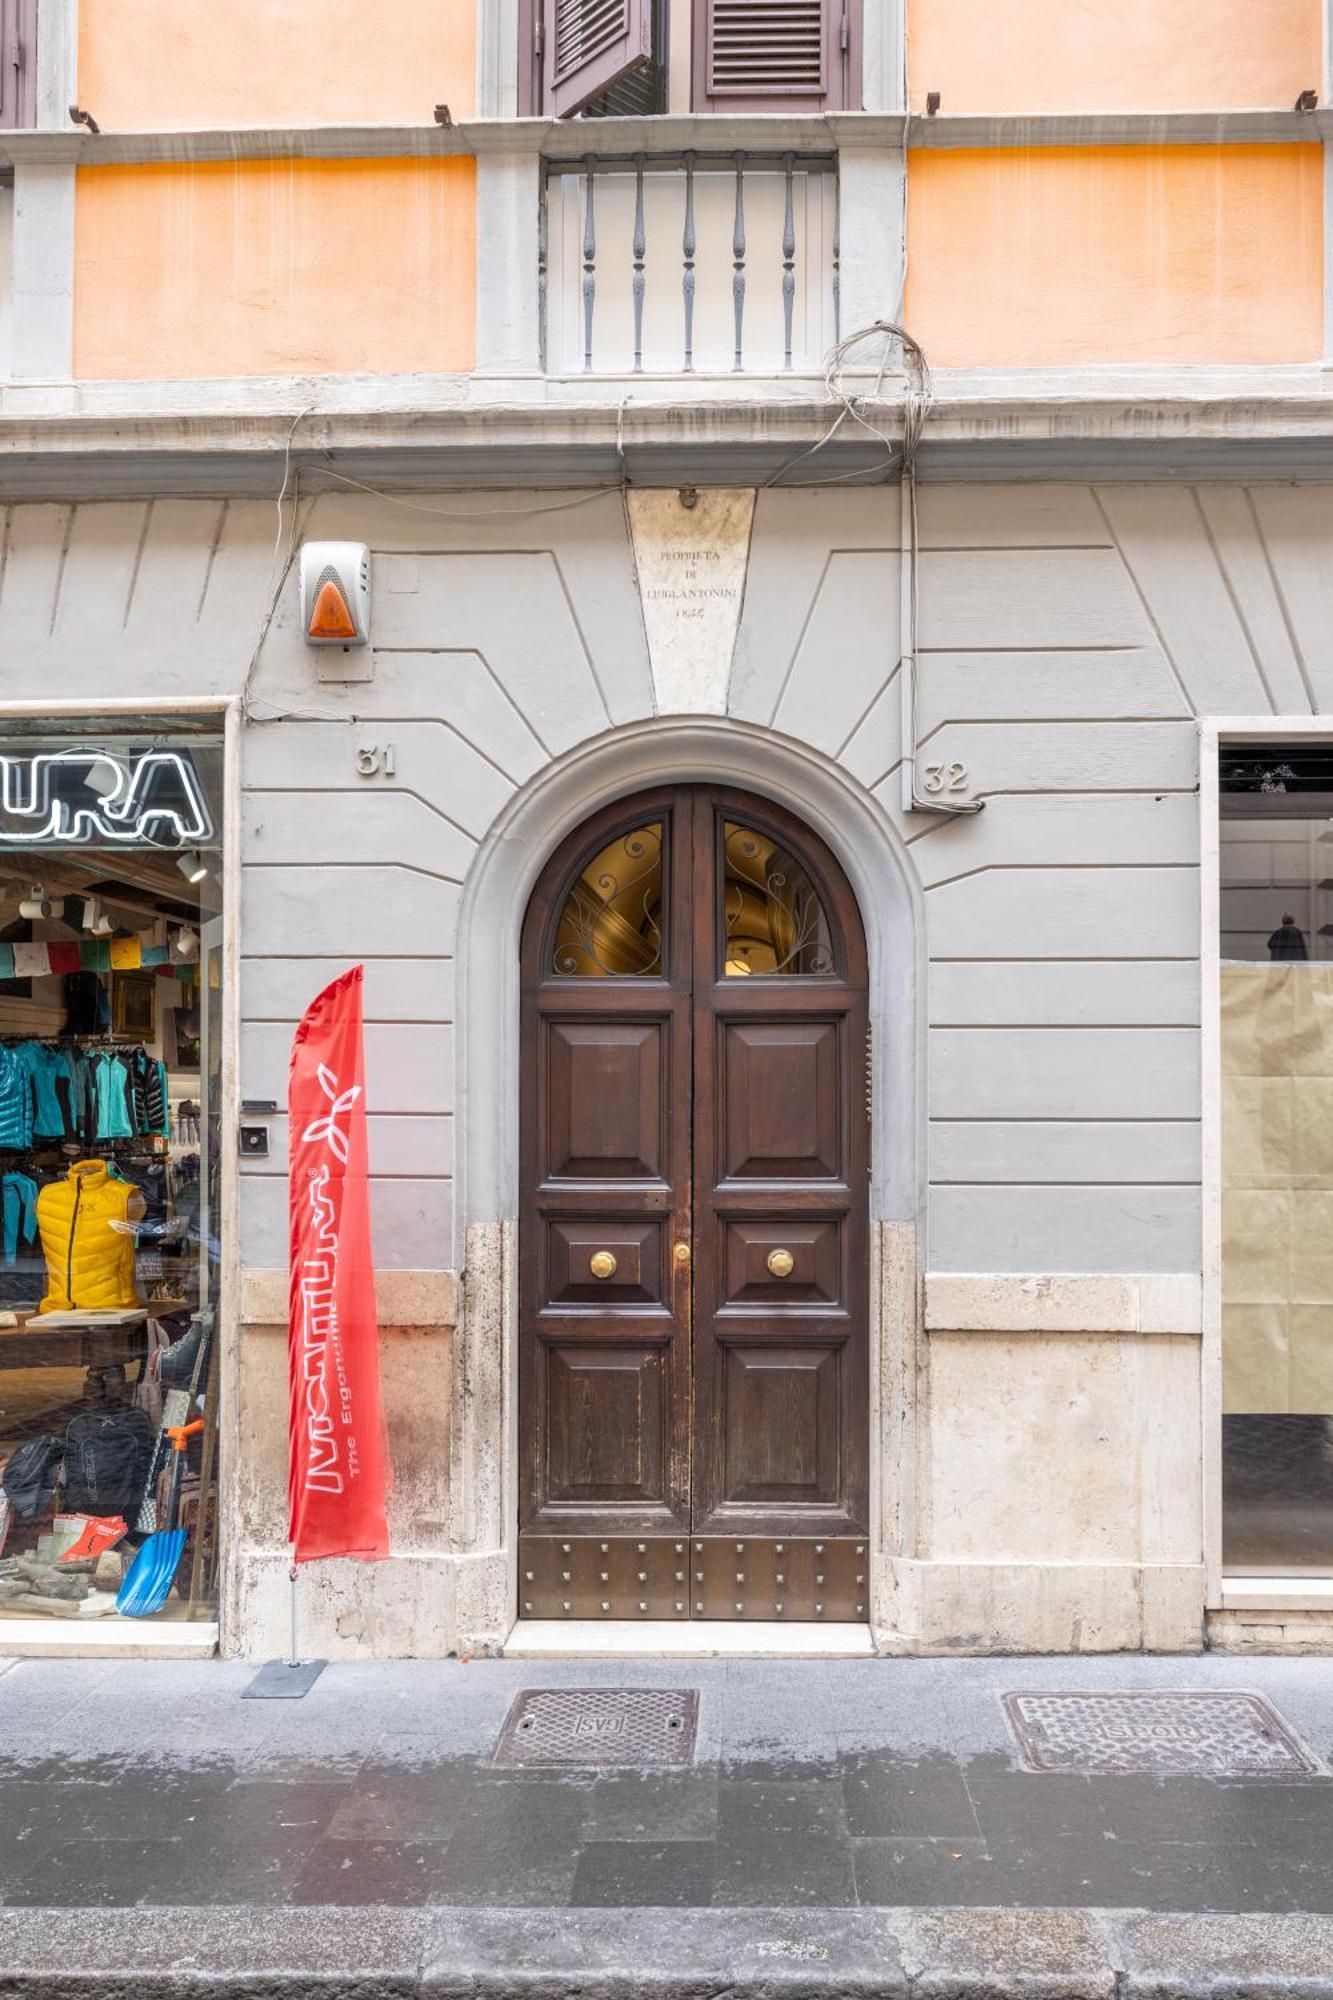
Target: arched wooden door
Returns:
[693, 1365]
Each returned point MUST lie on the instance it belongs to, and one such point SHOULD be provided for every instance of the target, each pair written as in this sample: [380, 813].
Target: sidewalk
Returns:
[843, 1826]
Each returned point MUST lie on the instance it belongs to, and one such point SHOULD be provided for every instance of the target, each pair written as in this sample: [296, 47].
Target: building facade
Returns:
[832, 821]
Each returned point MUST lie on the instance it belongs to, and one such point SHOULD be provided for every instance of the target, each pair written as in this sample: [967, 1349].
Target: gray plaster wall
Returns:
[1070, 639]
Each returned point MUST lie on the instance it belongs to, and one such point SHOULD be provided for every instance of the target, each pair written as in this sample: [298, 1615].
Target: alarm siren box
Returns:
[335, 593]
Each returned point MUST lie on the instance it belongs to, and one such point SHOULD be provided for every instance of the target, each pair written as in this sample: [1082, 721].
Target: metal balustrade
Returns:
[689, 263]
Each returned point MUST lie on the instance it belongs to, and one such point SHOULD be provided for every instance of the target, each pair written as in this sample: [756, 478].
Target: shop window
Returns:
[110, 1072]
[1276, 975]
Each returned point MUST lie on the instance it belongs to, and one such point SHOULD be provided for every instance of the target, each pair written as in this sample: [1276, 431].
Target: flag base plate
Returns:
[278, 1680]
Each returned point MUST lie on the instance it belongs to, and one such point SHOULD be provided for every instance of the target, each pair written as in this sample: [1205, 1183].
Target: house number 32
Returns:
[378, 760]
[946, 778]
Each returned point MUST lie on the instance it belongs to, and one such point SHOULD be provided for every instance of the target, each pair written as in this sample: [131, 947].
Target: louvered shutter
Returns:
[18, 62]
[768, 55]
[588, 45]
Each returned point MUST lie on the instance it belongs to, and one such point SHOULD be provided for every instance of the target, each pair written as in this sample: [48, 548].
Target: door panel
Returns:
[609, 1424]
[694, 1234]
[779, 1101]
[780, 1174]
[604, 1369]
[781, 1425]
[816, 1275]
[577, 1251]
[604, 1090]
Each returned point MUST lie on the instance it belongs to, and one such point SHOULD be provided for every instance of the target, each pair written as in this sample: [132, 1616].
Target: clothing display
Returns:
[87, 1009]
[115, 1105]
[54, 1113]
[18, 1202]
[15, 1100]
[87, 1226]
[148, 1088]
[69, 1090]
[110, 1187]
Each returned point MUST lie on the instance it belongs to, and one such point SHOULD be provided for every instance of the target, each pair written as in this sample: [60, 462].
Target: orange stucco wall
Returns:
[1132, 254]
[171, 64]
[1135, 55]
[282, 267]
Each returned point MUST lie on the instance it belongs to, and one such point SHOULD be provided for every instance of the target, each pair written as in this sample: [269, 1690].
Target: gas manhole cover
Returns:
[600, 1726]
[1213, 1734]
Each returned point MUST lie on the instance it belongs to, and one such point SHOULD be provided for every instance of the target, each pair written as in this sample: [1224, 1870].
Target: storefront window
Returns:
[1276, 880]
[111, 898]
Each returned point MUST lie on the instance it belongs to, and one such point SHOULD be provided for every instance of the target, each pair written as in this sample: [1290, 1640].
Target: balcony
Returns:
[689, 263]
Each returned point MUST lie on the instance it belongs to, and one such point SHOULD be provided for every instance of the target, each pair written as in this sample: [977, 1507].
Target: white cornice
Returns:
[229, 436]
[570, 139]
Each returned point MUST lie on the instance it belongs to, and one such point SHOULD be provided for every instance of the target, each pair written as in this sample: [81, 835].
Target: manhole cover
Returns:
[600, 1726]
[1214, 1734]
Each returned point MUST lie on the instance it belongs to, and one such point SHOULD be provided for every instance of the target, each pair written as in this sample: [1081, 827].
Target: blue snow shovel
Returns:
[153, 1571]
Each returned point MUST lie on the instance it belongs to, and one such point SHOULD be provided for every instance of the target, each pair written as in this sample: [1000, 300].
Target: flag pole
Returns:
[289, 1679]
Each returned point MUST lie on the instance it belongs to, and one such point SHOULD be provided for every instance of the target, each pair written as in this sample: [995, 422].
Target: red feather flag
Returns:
[338, 1475]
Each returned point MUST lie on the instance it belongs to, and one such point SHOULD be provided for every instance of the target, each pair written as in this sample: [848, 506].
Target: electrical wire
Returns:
[918, 400]
[250, 702]
[247, 696]
[837, 364]
[473, 515]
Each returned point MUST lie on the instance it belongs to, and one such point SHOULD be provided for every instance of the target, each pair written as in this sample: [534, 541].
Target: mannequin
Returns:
[87, 1226]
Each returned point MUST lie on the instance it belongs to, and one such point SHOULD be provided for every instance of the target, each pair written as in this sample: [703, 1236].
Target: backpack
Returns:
[107, 1455]
[30, 1476]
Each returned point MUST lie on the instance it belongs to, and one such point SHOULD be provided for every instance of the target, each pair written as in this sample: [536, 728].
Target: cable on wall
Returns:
[918, 399]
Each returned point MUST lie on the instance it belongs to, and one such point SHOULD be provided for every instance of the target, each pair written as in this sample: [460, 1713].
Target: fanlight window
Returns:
[611, 925]
[773, 919]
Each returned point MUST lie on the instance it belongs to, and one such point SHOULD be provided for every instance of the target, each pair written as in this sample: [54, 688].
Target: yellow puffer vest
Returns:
[89, 1263]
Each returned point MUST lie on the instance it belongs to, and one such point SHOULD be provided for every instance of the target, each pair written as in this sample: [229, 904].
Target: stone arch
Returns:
[565, 793]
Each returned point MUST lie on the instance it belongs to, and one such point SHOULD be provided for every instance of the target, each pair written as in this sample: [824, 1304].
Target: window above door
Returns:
[616, 58]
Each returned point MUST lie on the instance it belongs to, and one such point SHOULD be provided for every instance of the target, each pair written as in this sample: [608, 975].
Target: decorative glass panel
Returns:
[773, 920]
[611, 925]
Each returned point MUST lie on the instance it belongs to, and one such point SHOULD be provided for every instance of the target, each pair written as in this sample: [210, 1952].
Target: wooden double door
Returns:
[693, 1371]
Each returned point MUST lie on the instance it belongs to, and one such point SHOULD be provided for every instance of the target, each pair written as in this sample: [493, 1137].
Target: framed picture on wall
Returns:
[134, 1005]
[180, 1036]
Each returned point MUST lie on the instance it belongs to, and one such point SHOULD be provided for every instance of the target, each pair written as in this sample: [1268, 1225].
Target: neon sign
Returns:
[76, 798]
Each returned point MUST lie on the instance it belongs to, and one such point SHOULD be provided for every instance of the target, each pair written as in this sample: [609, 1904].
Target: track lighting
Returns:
[35, 903]
[187, 943]
[192, 865]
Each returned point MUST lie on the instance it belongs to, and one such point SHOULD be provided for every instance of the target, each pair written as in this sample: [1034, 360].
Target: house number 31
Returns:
[946, 778]
[378, 760]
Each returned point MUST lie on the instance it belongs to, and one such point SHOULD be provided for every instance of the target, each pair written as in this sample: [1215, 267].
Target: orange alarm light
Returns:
[332, 617]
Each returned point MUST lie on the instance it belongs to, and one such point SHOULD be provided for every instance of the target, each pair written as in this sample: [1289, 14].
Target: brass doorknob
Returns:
[781, 1263]
[602, 1264]
[681, 1253]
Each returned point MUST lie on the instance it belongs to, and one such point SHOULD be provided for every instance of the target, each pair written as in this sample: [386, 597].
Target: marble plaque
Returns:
[691, 568]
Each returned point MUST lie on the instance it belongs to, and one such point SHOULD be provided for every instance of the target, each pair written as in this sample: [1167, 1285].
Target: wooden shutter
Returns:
[772, 55]
[588, 45]
[18, 62]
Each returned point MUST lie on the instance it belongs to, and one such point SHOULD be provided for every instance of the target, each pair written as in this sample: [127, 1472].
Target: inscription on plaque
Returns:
[691, 566]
